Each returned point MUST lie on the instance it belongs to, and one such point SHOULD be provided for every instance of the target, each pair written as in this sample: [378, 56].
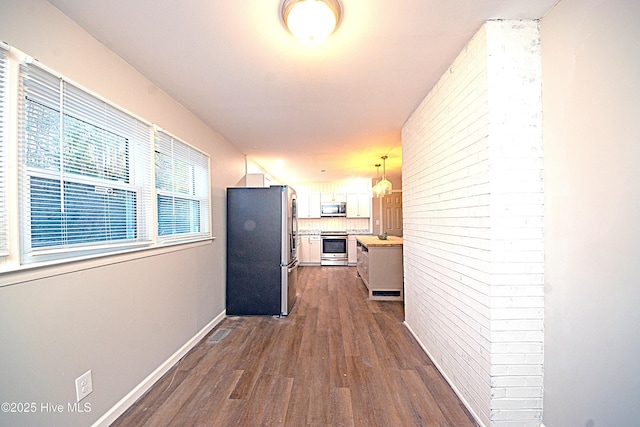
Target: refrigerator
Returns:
[262, 262]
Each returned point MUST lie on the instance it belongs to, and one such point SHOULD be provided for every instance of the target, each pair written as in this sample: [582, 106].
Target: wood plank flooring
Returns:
[338, 359]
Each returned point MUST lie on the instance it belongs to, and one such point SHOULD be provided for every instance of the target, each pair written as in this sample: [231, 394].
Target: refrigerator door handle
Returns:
[292, 266]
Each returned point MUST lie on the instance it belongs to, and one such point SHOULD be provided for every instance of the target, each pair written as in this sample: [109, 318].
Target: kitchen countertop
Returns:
[350, 232]
[373, 241]
[308, 232]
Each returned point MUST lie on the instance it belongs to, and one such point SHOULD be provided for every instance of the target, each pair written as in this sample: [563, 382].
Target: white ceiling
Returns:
[297, 109]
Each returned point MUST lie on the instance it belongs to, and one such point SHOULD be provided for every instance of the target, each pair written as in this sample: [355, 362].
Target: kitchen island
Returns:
[379, 265]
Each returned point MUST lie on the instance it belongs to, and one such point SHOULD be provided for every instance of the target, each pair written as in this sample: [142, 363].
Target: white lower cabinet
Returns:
[303, 250]
[352, 250]
[309, 250]
[314, 249]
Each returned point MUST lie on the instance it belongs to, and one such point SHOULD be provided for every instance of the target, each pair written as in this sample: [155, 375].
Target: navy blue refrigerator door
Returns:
[254, 248]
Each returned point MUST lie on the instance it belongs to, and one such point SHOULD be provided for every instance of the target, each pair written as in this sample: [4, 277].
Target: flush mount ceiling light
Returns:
[311, 21]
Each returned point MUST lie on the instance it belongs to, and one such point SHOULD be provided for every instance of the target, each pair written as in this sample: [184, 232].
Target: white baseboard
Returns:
[456, 391]
[118, 409]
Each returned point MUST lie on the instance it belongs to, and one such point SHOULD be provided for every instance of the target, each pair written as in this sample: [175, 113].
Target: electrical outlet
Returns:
[84, 385]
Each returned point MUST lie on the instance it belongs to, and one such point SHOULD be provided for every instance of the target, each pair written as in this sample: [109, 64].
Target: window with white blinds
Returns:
[182, 189]
[3, 151]
[86, 170]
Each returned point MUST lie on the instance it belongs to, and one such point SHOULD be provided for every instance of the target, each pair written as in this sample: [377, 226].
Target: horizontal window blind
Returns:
[3, 151]
[182, 189]
[86, 169]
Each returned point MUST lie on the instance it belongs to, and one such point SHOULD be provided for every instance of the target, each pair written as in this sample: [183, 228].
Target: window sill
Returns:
[30, 272]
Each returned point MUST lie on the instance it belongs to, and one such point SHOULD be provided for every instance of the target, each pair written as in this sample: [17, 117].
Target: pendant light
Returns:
[311, 21]
[384, 186]
[376, 190]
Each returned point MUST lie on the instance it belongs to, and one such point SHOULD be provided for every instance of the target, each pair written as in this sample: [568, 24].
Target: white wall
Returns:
[472, 199]
[121, 316]
[591, 87]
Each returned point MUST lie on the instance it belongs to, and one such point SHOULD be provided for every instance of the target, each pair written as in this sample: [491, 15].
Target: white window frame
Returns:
[189, 184]
[138, 159]
[4, 220]
[19, 256]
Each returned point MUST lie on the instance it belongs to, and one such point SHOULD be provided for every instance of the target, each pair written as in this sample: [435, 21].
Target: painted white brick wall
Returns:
[473, 206]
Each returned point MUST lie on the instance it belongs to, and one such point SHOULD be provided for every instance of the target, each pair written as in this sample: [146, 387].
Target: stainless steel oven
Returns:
[334, 248]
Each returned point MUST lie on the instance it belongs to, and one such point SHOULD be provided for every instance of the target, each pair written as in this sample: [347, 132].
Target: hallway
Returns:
[337, 360]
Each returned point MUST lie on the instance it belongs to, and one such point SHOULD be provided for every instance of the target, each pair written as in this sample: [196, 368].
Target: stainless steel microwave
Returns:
[333, 209]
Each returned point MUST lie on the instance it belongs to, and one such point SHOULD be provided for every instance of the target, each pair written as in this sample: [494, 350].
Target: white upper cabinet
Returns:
[357, 197]
[333, 197]
[308, 204]
[358, 205]
[257, 180]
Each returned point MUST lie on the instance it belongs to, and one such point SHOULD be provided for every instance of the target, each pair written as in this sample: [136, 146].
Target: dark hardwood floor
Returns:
[338, 359]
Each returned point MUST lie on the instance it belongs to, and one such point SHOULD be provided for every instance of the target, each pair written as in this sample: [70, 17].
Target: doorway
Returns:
[392, 214]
